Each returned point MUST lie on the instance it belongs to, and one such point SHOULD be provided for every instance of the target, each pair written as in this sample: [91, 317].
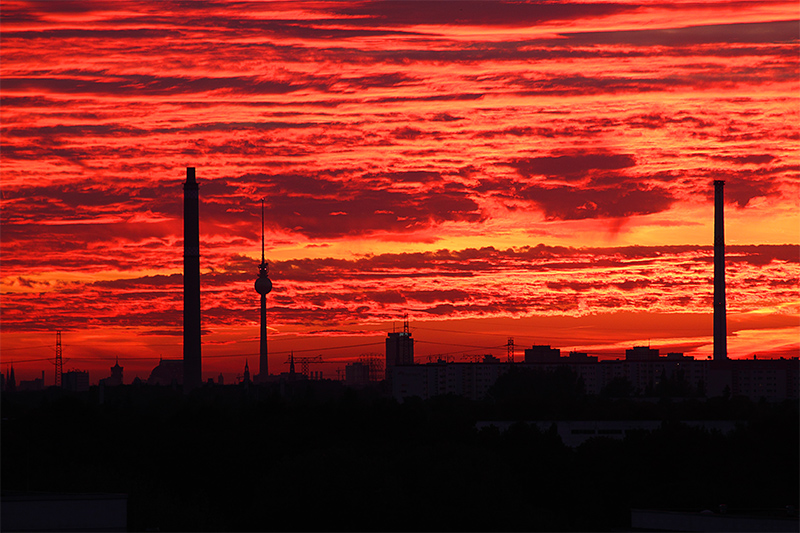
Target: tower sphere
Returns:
[263, 285]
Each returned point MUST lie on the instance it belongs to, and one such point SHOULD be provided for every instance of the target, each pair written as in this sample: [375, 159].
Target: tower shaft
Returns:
[192, 366]
[263, 360]
[720, 319]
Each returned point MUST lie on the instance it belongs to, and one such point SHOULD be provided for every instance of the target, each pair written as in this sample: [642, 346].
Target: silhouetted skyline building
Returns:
[11, 381]
[75, 381]
[32, 385]
[167, 372]
[542, 354]
[263, 287]
[641, 353]
[246, 379]
[356, 374]
[720, 319]
[399, 349]
[115, 379]
[643, 368]
[192, 360]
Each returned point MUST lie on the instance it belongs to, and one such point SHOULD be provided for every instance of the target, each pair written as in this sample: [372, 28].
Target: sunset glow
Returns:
[538, 170]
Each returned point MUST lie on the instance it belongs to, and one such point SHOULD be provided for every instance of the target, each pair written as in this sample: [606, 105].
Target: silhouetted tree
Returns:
[618, 387]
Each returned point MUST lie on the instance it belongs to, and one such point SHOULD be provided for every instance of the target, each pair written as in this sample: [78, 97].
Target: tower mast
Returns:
[263, 287]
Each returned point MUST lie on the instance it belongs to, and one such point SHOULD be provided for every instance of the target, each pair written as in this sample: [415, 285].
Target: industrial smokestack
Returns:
[720, 320]
[191, 284]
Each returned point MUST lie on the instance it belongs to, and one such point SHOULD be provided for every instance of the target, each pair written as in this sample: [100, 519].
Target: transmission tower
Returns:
[510, 350]
[59, 360]
[375, 363]
[304, 361]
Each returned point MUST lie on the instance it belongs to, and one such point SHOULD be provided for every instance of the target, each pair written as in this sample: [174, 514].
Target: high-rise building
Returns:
[399, 350]
[542, 354]
[75, 381]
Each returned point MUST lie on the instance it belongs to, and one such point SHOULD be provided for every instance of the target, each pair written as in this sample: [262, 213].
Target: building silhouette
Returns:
[399, 349]
[115, 379]
[246, 378]
[75, 381]
[542, 354]
[167, 372]
[10, 383]
[356, 374]
[32, 385]
[643, 368]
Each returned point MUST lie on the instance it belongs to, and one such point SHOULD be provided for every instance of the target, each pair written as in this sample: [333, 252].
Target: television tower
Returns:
[263, 287]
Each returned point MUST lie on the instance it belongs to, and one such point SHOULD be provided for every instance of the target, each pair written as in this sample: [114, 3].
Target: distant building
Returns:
[470, 380]
[580, 357]
[356, 374]
[771, 379]
[641, 353]
[116, 376]
[542, 354]
[643, 368]
[573, 433]
[32, 385]
[168, 372]
[399, 350]
[10, 384]
[75, 381]
[246, 379]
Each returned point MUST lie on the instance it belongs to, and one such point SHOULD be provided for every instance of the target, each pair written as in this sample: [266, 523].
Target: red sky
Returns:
[539, 170]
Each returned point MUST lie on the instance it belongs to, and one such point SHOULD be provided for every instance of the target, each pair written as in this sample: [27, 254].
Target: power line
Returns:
[28, 361]
[461, 345]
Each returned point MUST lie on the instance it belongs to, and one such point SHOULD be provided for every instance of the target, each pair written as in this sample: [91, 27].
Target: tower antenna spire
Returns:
[262, 231]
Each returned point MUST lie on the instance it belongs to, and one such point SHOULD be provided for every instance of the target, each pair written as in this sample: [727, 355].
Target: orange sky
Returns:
[534, 170]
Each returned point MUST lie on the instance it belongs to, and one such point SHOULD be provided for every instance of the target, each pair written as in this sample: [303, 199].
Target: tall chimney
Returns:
[191, 284]
[720, 320]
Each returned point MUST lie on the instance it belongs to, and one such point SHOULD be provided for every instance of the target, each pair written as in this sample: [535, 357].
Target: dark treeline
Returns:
[318, 456]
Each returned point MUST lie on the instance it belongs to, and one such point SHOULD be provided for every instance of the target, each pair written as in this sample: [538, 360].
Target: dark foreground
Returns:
[316, 456]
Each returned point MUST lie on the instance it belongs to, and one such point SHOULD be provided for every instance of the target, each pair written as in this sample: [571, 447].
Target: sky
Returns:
[536, 170]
